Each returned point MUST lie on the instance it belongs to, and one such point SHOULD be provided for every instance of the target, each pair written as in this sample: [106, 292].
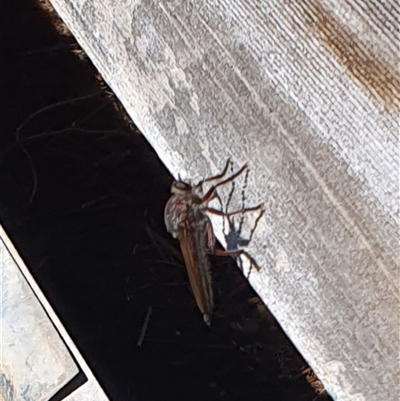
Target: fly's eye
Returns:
[179, 187]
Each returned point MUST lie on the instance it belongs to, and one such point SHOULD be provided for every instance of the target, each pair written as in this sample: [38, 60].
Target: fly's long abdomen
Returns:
[193, 238]
[185, 221]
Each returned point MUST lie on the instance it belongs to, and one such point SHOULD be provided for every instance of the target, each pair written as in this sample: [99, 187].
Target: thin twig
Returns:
[144, 327]
[51, 106]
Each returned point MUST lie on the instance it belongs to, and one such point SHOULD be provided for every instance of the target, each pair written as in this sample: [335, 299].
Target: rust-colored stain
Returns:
[379, 79]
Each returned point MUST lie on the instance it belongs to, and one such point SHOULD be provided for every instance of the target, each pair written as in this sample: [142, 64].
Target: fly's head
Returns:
[181, 188]
[186, 192]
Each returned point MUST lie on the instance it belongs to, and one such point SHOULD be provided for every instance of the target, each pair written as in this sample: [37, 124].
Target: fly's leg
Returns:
[211, 193]
[211, 244]
[230, 252]
[215, 177]
[217, 212]
[236, 253]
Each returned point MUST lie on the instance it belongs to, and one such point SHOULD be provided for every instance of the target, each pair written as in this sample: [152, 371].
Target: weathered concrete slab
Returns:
[89, 391]
[308, 92]
[35, 363]
[38, 358]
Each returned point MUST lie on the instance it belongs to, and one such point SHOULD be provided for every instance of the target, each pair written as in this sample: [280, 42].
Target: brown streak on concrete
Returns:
[377, 78]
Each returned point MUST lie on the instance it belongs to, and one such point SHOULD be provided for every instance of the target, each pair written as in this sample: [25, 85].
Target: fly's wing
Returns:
[194, 249]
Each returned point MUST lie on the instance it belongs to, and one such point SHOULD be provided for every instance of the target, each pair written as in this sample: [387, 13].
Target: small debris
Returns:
[144, 327]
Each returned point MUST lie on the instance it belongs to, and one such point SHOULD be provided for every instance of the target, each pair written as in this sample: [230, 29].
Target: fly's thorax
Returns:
[175, 213]
[185, 207]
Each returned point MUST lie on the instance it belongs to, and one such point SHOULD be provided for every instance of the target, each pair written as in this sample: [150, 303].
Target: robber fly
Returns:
[186, 219]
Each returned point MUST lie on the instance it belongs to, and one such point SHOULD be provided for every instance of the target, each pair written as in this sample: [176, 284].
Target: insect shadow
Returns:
[233, 227]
